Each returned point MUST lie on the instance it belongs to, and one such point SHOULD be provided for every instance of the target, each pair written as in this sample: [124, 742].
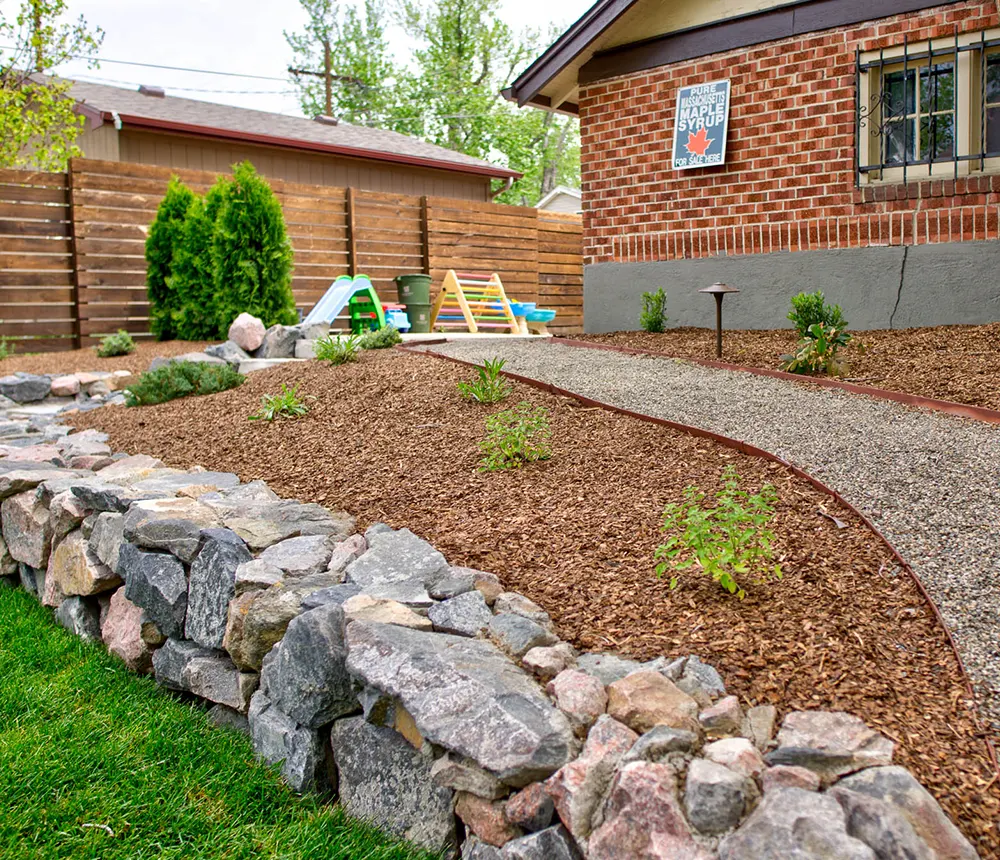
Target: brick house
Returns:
[863, 157]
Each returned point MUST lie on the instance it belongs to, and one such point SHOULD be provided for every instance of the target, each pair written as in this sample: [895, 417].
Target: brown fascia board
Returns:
[565, 49]
[311, 146]
[795, 19]
[94, 116]
[545, 103]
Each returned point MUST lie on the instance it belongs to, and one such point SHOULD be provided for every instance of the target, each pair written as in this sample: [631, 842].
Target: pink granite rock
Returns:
[485, 818]
[722, 719]
[547, 661]
[577, 788]
[38, 454]
[66, 512]
[531, 808]
[580, 696]
[65, 386]
[27, 529]
[831, 743]
[737, 754]
[247, 332]
[788, 776]
[646, 699]
[122, 633]
[642, 818]
[90, 461]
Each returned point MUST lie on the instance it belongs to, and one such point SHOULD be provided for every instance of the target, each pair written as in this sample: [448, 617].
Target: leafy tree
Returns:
[343, 66]
[38, 125]
[193, 278]
[251, 254]
[542, 145]
[162, 246]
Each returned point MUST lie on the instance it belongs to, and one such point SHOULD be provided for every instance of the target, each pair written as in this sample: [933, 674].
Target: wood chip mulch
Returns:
[390, 440]
[957, 363]
[83, 360]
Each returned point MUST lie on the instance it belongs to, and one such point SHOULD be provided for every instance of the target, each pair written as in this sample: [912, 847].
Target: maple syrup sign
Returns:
[701, 125]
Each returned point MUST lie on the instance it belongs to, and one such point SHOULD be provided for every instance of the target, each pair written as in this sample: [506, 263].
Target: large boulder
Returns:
[466, 696]
[382, 779]
[122, 633]
[187, 667]
[77, 570]
[262, 523]
[299, 556]
[646, 699]
[212, 585]
[171, 525]
[278, 739]
[27, 529]
[156, 582]
[642, 817]
[397, 566]
[25, 387]
[17, 476]
[278, 342]
[305, 673]
[898, 789]
[791, 822]
[831, 743]
[247, 332]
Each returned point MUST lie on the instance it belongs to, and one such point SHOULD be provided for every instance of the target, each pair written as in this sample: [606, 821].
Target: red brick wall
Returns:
[789, 181]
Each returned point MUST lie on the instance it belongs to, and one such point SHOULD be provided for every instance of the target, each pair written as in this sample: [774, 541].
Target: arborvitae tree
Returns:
[251, 254]
[161, 248]
[193, 279]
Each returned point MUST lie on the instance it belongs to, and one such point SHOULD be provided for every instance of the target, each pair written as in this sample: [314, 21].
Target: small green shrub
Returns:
[654, 311]
[6, 349]
[809, 309]
[120, 343]
[816, 353]
[515, 437]
[181, 379]
[284, 405]
[162, 245]
[489, 386]
[728, 542]
[338, 350]
[381, 338]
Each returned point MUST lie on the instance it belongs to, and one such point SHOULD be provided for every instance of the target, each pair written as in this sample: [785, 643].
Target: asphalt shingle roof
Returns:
[210, 115]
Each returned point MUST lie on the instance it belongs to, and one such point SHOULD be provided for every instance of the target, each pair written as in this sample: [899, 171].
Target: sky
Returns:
[244, 36]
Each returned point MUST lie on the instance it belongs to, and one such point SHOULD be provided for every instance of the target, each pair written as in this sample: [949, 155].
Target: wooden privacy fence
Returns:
[72, 264]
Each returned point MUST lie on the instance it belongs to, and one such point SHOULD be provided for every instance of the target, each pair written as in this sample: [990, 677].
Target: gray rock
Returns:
[188, 667]
[212, 585]
[80, 616]
[171, 525]
[25, 387]
[464, 615]
[279, 342]
[227, 718]
[607, 668]
[882, 827]
[397, 566]
[518, 604]
[658, 743]
[305, 673]
[760, 725]
[264, 523]
[27, 529]
[334, 594]
[463, 775]
[465, 696]
[384, 780]
[229, 352]
[8, 564]
[897, 787]
[106, 538]
[32, 579]
[255, 491]
[311, 331]
[517, 635]
[156, 582]
[698, 675]
[346, 551]
[553, 843]
[451, 583]
[791, 822]
[473, 849]
[100, 495]
[168, 482]
[376, 529]
[195, 357]
[278, 739]
[299, 556]
[715, 797]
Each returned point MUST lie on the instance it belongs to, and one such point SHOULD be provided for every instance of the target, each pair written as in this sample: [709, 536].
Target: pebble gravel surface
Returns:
[930, 482]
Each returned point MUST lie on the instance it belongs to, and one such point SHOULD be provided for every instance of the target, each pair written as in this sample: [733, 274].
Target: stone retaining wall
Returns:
[422, 695]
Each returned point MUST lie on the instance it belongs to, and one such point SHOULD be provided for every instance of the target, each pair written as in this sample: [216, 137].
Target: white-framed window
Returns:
[929, 109]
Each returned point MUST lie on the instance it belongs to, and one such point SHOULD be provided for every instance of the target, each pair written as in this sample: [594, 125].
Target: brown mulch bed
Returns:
[390, 440]
[955, 362]
[77, 360]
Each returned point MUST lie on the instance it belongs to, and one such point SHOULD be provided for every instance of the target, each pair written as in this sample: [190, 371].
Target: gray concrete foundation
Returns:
[880, 287]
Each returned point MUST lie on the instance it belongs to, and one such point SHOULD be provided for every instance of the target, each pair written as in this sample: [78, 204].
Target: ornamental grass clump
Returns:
[338, 350]
[489, 386]
[287, 404]
[181, 379]
[120, 343]
[381, 338]
[730, 542]
[515, 437]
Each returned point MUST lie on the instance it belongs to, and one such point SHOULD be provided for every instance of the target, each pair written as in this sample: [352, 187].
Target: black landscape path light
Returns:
[719, 291]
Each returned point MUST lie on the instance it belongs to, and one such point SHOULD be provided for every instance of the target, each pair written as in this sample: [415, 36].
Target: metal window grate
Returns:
[912, 117]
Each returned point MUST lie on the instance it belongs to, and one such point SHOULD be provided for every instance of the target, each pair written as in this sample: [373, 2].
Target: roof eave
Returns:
[312, 146]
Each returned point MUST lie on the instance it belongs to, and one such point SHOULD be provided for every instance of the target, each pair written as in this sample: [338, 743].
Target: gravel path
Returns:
[930, 482]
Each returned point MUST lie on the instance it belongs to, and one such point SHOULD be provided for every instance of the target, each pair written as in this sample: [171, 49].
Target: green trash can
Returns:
[414, 289]
[419, 315]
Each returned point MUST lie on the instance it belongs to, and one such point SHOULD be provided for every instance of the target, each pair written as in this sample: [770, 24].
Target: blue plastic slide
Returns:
[335, 299]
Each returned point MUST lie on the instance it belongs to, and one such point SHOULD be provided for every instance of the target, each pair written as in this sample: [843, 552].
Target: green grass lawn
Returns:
[98, 763]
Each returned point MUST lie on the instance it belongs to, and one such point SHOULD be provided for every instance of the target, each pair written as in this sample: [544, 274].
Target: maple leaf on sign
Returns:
[698, 143]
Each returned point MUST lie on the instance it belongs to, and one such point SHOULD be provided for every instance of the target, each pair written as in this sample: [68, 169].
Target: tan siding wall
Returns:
[100, 143]
[178, 151]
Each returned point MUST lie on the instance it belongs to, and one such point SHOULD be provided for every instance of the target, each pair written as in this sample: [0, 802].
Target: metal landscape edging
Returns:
[950, 407]
[760, 453]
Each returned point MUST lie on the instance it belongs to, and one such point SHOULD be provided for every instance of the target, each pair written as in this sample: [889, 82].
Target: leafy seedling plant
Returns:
[381, 338]
[489, 386]
[810, 309]
[728, 542]
[515, 437]
[338, 350]
[120, 343]
[653, 316]
[6, 349]
[817, 353]
[287, 404]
